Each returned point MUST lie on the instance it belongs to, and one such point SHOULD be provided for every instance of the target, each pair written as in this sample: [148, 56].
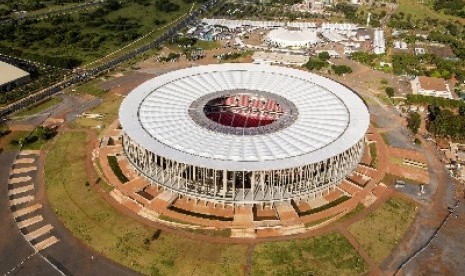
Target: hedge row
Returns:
[428, 100]
[113, 162]
[324, 207]
[199, 215]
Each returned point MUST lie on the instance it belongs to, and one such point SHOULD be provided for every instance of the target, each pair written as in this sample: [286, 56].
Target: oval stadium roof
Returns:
[331, 118]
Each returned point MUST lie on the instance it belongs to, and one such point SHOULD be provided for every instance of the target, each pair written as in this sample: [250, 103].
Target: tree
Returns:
[44, 133]
[462, 110]
[389, 91]
[315, 64]
[4, 129]
[186, 41]
[166, 6]
[414, 122]
[112, 5]
[341, 69]
[363, 57]
[324, 56]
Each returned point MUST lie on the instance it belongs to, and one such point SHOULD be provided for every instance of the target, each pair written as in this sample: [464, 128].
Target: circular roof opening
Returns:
[243, 110]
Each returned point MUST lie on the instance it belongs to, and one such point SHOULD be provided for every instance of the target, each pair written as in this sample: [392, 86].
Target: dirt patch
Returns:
[123, 84]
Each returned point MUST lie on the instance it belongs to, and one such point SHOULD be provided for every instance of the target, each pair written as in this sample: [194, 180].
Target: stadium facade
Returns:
[244, 133]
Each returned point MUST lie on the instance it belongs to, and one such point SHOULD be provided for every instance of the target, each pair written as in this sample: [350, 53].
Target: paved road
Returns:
[69, 255]
[13, 247]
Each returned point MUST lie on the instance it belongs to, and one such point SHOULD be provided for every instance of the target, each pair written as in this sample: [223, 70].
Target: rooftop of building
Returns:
[429, 83]
[9, 73]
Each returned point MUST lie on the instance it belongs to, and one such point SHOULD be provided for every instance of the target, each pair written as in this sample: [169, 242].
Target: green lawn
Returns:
[420, 11]
[374, 155]
[89, 88]
[390, 179]
[329, 254]
[38, 108]
[207, 45]
[360, 207]
[118, 237]
[19, 135]
[16, 135]
[109, 108]
[381, 231]
[319, 221]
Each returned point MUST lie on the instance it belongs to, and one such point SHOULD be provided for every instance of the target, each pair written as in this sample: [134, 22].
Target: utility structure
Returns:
[244, 133]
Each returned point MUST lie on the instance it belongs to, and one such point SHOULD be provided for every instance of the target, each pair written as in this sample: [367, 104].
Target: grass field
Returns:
[390, 179]
[420, 11]
[207, 45]
[374, 155]
[329, 254]
[90, 88]
[18, 135]
[38, 108]
[382, 230]
[120, 238]
[109, 108]
[360, 207]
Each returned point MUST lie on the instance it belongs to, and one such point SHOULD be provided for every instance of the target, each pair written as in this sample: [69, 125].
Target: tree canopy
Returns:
[414, 121]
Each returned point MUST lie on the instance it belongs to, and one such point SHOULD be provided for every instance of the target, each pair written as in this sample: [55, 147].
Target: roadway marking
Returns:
[39, 232]
[24, 161]
[27, 210]
[21, 190]
[23, 170]
[18, 180]
[21, 200]
[46, 243]
[29, 152]
[29, 221]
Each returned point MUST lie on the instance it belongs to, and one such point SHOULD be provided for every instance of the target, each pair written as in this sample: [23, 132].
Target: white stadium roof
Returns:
[331, 118]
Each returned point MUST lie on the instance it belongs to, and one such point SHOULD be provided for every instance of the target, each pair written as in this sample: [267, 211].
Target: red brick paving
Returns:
[349, 188]
[333, 195]
[265, 213]
[366, 159]
[358, 180]
[410, 154]
[204, 208]
[303, 206]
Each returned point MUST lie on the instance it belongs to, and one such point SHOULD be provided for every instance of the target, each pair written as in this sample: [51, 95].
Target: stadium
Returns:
[239, 134]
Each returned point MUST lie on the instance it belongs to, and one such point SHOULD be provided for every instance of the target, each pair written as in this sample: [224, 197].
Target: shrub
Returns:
[113, 162]
[199, 215]
[4, 129]
[324, 207]
[324, 56]
[389, 91]
[414, 122]
[341, 69]
[315, 64]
